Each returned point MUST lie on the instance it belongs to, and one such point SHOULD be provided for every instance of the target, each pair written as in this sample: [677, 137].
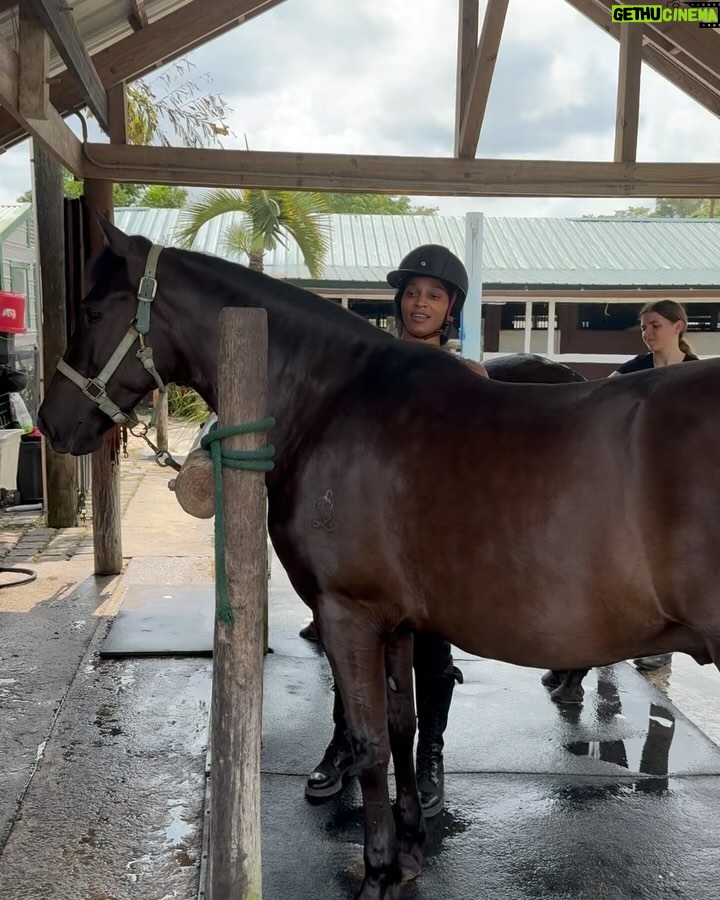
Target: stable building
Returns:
[570, 289]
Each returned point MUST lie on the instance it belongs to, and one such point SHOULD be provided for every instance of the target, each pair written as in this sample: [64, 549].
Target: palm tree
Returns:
[269, 218]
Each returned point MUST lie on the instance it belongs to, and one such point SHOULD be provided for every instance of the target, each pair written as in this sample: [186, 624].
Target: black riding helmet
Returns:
[433, 261]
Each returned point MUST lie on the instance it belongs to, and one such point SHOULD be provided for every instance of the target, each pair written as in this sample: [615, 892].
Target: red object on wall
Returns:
[12, 313]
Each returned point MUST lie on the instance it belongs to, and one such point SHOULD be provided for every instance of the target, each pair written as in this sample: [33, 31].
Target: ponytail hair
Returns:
[673, 312]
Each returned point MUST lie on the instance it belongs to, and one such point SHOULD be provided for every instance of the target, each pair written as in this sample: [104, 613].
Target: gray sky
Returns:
[378, 76]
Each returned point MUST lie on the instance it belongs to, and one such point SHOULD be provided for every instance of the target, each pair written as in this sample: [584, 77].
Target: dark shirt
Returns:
[646, 361]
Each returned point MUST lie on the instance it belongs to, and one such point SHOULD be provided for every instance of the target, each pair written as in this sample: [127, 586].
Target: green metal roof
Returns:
[517, 252]
[12, 216]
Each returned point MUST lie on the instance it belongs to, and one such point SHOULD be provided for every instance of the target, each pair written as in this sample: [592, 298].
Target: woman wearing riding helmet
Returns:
[431, 285]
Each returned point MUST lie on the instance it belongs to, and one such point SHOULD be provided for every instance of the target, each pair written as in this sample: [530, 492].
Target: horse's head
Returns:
[101, 377]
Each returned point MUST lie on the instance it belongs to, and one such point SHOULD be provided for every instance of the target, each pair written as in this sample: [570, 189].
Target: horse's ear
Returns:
[115, 239]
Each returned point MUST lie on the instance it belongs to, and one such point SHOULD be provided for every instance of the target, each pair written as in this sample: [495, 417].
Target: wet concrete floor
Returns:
[615, 800]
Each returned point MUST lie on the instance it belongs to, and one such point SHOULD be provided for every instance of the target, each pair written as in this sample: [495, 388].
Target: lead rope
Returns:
[252, 460]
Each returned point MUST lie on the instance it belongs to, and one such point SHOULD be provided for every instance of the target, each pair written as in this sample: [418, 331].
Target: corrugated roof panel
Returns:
[11, 215]
[530, 251]
[101, 23]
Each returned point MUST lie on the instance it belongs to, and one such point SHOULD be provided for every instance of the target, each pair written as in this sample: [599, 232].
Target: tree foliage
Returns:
[671, 208]
[376, 204]
[174, 102]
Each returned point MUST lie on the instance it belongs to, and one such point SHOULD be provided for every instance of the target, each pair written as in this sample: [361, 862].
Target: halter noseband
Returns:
[95, 389]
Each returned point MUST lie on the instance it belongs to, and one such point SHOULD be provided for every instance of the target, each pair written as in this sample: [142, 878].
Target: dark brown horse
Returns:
[562, 526]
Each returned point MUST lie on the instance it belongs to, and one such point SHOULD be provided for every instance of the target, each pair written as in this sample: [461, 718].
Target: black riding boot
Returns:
[433, 705]
[329, 776]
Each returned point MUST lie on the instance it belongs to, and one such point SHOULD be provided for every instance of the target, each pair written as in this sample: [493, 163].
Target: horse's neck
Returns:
[312, 355]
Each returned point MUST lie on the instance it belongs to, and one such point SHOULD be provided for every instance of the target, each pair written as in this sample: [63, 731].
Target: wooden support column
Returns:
[161, 423]
[61, 484]
[107, 534]
[235, 858]
[117, 112]
[491, 332]
[567, 315]
[628, 97]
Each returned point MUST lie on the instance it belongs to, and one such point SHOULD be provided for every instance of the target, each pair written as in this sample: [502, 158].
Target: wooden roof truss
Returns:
[35, 102]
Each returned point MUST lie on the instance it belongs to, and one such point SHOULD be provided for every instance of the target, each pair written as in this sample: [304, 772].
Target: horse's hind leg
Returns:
[357, 655]
[565, 684]
[401, 724]
[571, 690]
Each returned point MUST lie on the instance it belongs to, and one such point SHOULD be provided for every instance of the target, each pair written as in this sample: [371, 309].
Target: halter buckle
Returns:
[98, 386]
[147, 288]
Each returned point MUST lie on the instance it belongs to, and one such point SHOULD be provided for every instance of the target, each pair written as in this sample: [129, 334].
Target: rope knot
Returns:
[260, 460]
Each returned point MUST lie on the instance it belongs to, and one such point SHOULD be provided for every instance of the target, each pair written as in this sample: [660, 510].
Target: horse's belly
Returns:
[555, 616]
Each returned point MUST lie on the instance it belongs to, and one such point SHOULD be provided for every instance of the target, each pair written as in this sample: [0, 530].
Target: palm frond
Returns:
[272, 218]
[238, 238]
[302, 219]
[197, 214]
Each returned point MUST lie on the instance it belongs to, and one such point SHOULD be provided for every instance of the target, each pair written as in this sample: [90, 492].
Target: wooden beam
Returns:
[138, 17]
[628, 97]
[60, 469]
[58, 21]
[163, 40]
[700, 44]
[468, 19]
[106, 512]
[33, 66]
[697, 45]
[481, 79]
[53, 132]
[117, 112]
[397, 174]
[684, 73]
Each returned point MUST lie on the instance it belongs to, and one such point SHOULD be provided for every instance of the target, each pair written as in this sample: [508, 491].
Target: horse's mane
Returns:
[295, 298]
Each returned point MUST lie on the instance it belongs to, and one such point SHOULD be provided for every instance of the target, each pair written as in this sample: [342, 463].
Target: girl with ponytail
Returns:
[664, 324]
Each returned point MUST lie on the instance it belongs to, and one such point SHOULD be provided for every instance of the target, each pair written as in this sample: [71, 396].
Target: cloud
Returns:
[378, 77]
[15, 168]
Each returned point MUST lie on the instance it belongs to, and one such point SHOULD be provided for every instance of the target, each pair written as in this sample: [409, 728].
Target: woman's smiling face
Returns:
[424, 306]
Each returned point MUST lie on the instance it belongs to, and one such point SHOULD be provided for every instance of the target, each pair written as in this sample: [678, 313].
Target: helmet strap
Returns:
[445, 330]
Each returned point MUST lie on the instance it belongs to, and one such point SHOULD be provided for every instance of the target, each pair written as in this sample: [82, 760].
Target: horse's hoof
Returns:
[375, 891]
[553, 679]
[567, 695]
[411, 863]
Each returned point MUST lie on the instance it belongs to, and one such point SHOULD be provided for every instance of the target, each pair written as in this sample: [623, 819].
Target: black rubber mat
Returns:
[162, 620]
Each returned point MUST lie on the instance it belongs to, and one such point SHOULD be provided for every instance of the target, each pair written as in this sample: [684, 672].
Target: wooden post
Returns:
[195, 491]
[61, 484]
[235, 864]
[106, 516]
[161, 423]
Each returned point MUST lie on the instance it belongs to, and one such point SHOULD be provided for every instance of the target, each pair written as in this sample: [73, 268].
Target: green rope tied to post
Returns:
[253, 460]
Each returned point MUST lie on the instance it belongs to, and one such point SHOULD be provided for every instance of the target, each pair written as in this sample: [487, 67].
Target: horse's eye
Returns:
[92, 317]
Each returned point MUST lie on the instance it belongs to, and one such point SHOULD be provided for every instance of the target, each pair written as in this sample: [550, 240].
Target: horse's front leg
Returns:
[401, 724]
[356, 653]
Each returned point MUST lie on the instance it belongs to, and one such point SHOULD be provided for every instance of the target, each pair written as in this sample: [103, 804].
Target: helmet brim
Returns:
[396, 278]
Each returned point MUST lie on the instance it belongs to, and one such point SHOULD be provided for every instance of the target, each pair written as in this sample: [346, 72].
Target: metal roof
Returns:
[12, 216]
[101, 23]
[529, 252]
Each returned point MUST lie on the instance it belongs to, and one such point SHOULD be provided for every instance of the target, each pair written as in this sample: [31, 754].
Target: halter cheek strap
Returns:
[95, 389]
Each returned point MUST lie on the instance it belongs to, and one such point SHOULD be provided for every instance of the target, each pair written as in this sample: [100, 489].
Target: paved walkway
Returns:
[24, 537]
